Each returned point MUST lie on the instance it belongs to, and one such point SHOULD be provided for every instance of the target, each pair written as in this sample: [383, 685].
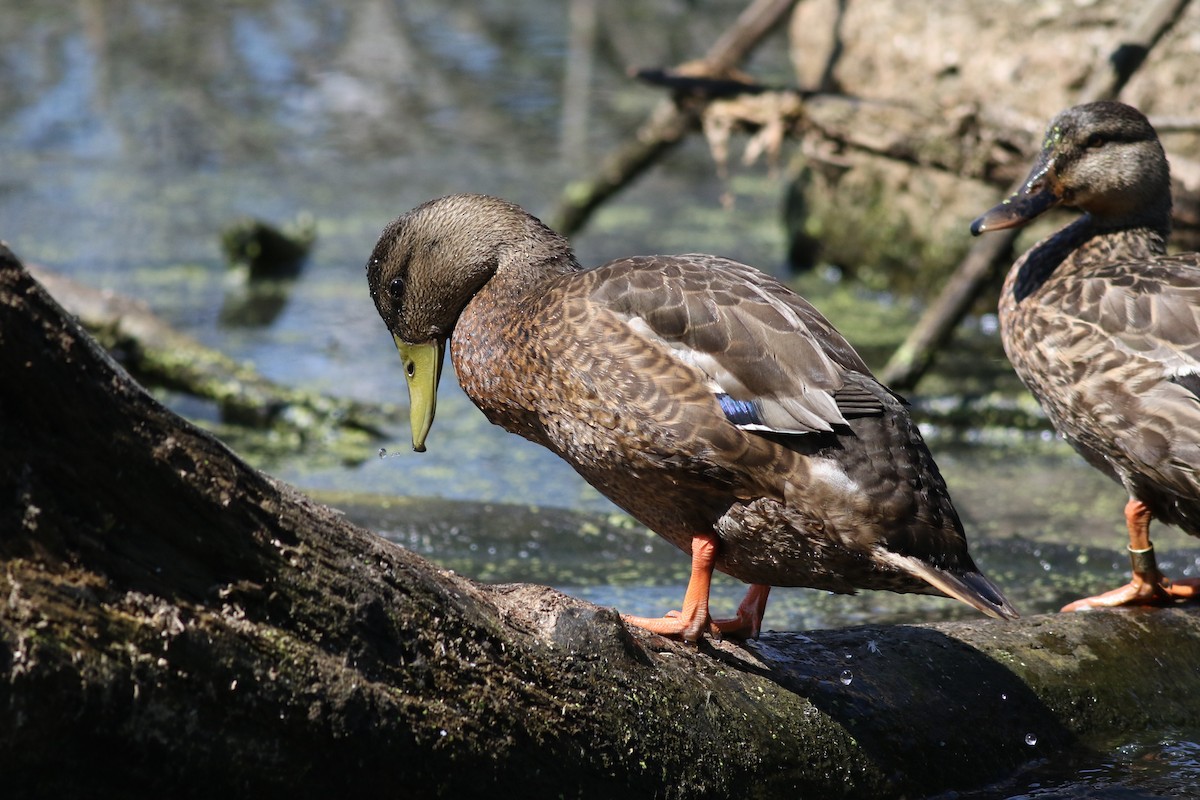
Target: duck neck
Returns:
[535, 255]
[524, 268]
[1088, 243]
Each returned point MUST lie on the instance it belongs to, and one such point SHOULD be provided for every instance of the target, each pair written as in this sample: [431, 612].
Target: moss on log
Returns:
[175, 622]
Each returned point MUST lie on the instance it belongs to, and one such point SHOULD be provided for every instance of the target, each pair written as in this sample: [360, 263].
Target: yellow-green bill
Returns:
[423, 370]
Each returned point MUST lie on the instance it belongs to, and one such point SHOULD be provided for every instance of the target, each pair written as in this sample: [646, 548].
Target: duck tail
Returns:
[971, 587]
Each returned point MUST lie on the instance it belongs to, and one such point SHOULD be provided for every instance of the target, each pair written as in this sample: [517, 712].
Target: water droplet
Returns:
[846, 677]
[1031, 739]
[1003, 696]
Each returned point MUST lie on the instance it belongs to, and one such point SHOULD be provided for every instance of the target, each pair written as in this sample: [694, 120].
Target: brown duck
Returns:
[1104, 327]
[705, 398]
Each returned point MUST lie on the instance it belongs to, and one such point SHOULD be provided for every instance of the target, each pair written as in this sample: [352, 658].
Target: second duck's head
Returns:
[1101, 158]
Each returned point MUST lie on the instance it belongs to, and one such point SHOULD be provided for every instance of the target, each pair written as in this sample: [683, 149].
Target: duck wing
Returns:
[771, 360]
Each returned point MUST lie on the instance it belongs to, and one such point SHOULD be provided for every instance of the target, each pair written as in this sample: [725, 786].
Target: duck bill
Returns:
[423, 370]
[1035, 197]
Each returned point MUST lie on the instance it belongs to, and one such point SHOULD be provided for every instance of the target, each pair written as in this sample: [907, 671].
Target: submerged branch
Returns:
[669, 122]
[159, 355]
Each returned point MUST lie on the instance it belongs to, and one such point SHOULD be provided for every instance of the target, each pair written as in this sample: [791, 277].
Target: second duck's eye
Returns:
[1096, 140]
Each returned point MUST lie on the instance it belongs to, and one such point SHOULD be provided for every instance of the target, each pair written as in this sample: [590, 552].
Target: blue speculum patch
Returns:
[740, 412]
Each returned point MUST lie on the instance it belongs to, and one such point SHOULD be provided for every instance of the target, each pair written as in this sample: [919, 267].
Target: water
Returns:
[1151, 766]
[133, 132]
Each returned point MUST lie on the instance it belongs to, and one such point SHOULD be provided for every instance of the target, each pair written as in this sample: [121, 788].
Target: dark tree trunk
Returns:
[173, 622]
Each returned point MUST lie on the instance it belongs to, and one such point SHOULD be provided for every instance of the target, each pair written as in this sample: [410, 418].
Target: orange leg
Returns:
[1148, 586]
[694, 621]
[748, 622]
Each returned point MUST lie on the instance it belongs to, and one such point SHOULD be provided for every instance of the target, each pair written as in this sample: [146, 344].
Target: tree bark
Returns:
[174, 622]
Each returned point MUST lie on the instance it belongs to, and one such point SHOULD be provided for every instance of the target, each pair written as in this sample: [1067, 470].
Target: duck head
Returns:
[430, 262]
[1101, 158]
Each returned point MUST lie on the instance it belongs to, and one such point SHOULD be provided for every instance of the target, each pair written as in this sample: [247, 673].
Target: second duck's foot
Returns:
[1149, 587]
[1141, 592]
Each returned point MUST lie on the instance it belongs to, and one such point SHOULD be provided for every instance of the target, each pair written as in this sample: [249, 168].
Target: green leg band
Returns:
[1143, 561]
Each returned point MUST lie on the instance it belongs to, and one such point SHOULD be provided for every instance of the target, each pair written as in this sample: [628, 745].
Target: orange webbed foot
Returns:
[1140, 593]
[748, 622]
[694, 620]
[1149, 587]
[674, 624]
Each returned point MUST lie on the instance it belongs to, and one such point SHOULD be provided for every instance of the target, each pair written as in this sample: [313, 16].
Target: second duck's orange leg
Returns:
[1148, 586]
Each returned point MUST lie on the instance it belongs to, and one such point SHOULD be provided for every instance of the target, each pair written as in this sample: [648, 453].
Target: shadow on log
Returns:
[175, 622]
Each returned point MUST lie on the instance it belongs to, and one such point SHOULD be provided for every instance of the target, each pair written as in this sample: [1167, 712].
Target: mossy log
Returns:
[176, 623]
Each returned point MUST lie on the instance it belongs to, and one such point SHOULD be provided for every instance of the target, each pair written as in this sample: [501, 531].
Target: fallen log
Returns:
[175, 622]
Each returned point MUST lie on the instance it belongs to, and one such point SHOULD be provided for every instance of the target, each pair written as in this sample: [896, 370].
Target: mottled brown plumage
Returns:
[1104, 327]
[704, 397]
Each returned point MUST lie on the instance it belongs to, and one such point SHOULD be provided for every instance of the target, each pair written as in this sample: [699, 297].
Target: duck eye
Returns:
[396, 288]
[1095, 141]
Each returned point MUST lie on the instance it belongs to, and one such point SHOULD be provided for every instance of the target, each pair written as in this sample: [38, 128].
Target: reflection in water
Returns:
[134, 131]
[120, 111]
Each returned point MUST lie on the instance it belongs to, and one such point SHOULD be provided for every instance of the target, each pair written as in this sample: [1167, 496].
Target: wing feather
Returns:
[768, 356]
